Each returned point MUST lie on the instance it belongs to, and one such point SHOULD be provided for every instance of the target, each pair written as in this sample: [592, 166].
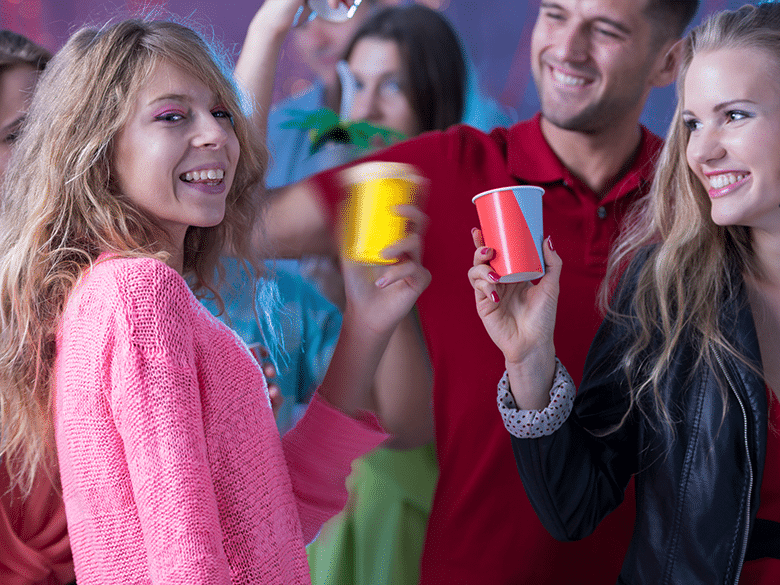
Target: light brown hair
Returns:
[61, 208]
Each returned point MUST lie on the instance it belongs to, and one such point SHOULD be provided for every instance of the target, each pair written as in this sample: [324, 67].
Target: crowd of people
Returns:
[196, 387]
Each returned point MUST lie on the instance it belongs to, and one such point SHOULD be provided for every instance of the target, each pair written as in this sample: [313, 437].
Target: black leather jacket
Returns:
[697, 492]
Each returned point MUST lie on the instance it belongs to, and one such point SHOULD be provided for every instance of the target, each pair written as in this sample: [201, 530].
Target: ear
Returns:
[666, 67]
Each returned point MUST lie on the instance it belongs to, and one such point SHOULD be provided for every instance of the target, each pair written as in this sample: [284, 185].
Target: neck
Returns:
[766, 247]
[174, 245]
[176, 261]
[599, 159]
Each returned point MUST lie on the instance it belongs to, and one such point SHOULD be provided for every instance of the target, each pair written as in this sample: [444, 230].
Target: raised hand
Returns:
[380, 296]
[520, 319]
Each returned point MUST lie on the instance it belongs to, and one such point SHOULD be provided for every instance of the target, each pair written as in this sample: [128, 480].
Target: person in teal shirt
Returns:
[287, 315]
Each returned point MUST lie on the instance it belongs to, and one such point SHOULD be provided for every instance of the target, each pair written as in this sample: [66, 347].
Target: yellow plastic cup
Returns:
[369, 221]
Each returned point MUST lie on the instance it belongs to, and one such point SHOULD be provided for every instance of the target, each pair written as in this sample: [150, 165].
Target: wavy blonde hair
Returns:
[688, 275]
[61, 208]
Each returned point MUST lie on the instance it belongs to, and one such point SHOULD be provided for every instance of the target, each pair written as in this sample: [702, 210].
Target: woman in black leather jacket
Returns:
[681, 385]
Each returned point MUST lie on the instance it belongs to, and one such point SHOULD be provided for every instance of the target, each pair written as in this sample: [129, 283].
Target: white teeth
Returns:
[720, 181]
[567, 79]
[205, 175]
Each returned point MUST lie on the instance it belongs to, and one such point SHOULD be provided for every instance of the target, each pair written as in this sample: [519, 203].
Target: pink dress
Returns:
[34, 545]
[172, 468]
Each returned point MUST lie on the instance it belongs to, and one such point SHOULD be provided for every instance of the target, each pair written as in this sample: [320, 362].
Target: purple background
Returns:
[495, 33]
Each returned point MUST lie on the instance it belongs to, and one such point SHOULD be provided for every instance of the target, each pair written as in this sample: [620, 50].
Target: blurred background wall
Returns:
[495, 33]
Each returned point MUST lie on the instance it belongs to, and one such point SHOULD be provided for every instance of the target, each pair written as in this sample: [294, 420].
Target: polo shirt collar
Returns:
[531, 160]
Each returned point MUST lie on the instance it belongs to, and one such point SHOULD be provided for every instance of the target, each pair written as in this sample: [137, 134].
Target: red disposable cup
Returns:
[511, 223]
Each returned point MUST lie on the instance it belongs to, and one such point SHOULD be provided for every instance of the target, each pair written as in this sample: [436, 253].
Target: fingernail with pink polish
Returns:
[493, 276]
[494, 296]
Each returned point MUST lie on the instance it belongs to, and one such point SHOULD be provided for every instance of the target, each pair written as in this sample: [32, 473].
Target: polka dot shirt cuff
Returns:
[532, 424]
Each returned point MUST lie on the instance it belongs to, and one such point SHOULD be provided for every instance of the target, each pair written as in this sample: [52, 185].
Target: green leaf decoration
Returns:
[325, 126]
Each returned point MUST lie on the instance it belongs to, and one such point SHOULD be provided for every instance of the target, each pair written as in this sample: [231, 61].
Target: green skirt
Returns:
[378, 538]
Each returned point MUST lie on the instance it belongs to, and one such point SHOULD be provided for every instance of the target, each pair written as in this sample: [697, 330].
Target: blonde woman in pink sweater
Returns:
[136, 169]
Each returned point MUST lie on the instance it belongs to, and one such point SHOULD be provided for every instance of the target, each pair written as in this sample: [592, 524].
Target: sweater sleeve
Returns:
[158, 414]
[319, 451]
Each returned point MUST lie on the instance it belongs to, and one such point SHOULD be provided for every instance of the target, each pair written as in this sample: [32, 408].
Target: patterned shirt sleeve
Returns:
[532, 424]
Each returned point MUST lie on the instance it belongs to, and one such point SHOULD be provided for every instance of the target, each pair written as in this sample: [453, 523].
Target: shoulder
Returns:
[456, 143]
[134, 276]
[139, 285]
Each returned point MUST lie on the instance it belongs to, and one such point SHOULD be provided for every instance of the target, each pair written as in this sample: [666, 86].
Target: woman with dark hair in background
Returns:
[423, 64]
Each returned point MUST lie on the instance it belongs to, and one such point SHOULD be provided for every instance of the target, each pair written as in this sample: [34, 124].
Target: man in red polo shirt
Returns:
[594, 64]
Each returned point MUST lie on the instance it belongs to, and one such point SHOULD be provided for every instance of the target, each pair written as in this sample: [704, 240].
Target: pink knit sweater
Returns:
[172, 468]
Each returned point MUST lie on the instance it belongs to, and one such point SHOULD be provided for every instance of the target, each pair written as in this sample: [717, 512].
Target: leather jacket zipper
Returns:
[746, 534]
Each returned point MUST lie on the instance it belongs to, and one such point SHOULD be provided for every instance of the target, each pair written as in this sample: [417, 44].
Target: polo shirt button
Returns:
[602, 212]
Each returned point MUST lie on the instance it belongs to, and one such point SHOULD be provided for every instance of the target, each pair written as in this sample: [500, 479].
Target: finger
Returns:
[408, 247]
[418, 219]
[269, 371]
[276, 397]
[476, 236]
[483, 272]
[485, 290]
[483, 255]
[413, 273]
[552, 261]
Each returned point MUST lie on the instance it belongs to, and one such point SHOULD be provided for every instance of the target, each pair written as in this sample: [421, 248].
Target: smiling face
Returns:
[593, 61]
[16, 88]
[176, 155]
[381, 82]
[733, 114]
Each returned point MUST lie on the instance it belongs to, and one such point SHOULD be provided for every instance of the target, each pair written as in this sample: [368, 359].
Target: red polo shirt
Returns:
[482, 529]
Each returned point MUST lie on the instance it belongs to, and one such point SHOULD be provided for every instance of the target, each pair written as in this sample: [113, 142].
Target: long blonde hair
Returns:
[61, 208]
[689, 273]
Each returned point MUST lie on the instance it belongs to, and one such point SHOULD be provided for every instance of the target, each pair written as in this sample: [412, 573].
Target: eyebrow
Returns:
[603, 19]
[724, 105]
[171, 96]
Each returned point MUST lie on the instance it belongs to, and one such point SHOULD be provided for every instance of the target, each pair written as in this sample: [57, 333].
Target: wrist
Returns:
[356, 323]
[531, 378]
[267, 26]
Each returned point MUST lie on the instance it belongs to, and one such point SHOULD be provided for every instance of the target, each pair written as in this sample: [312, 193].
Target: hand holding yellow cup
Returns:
[369, 220]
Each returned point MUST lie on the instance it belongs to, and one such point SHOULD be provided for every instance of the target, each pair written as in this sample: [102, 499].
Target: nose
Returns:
[210, 132]
[705, 146]
[573, 43]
